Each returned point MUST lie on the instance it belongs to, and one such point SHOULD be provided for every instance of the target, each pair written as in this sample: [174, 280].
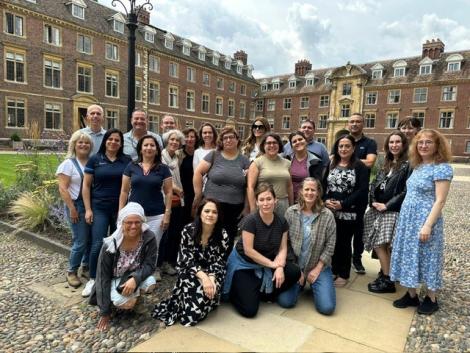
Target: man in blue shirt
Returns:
[317, 148]
[95, 119]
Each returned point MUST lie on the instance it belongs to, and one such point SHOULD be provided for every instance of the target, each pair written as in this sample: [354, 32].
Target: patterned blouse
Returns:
[128, 260]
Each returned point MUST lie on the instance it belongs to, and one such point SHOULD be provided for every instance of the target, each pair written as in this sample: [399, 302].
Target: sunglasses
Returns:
[258, 127]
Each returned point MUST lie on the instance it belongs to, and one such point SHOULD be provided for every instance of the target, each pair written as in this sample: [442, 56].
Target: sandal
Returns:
[340, 282]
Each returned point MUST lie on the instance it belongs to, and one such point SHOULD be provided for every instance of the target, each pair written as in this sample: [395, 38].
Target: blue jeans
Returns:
[104, 218]
[323, 292]
[80, 237]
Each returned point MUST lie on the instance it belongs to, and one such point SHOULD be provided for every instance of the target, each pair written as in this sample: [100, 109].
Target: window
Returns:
[220, 83]
[394, 96]
[286, 122]
[205, 103]
[173, 97]
[84, 78]
[78, 11]
[112, 84]
[118, 26]
[303, 118]
[231, 108]
[154, 63]
[112, 117]
[467, 147]
[239, 68]
[231, 86]
[449, 93]
[345, 110]
[276, 86]
[371, 98]
[420, 116]
[218, 126]
[84, 44]
[173, 69]
[112, 51]
[14, 24]
[241, 132]
[271, 105]
[425, 69]
[138, 59]
[399, 72]
[259, 105]
[446, 120]
[420, 95]
[242, 113]
[287, 103]
[347, 87]
[190, 100]
[53, 112]
[228, 63]
[369, 120]
[264, 87]
[153, 123]
[243, 90]
[205, 79]
[322, 121]
[219, 106]
[52, 72]
[304, 102]
[16, 112]
[292, 84]
[149, 36]
[169, 42]
[215, 59]
[324, 101]
[52, 35]
[453, 66]
[391, 121]
[309, 79]
[376, 74]
[201, 55]
[321, 140]
[15, 66]
[271, 123]
[138, 89]
[189, 124]
[186, 50]
[154, 93]
[191, 74]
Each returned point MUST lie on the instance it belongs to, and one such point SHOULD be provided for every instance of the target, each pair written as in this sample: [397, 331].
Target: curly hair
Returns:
[442, 153]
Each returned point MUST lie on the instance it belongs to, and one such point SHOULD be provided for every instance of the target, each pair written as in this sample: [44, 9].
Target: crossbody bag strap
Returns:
[79, 170]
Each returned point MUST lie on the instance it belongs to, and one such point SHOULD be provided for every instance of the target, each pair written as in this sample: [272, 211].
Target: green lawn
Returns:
[47, 163]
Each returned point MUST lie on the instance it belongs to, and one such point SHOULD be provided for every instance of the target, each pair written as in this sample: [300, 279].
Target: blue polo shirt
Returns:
[147, 189]
[107, 177]
[365, 146]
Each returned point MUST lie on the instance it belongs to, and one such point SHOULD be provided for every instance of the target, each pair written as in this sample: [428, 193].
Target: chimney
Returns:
[144, 17]
[433, 49]
[241, 55]
[302, 66]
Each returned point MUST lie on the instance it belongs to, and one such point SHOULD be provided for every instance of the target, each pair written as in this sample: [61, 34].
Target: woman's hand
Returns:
[331, 204]
[425, 233]
[74, 217]
[278, 277]
[166, 220]
[313, 275]
[279, 261]
[129, 287]
[89, 216]
[103, 323]
[301, 280]
[208, 287]
[379, 206]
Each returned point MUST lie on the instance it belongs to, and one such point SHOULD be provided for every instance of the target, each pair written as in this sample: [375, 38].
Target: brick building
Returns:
[59, 56]
[435, 87]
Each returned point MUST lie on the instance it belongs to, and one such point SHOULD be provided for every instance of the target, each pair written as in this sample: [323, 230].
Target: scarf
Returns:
[173, 165]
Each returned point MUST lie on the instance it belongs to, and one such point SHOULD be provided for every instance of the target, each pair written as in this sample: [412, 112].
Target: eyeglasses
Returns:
[271, 143]
[257, 127]
[229, 137]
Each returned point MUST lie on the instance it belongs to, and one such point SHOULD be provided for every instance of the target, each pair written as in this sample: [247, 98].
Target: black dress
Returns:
[186, 174]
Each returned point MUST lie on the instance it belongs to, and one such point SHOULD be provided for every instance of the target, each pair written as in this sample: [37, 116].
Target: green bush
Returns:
[7, 195]
[15, 137]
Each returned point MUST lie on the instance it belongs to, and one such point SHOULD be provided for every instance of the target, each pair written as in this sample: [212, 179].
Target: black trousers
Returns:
[245, 295]
[230, 213]
[170, 244]
[341, 261]
[358, 243]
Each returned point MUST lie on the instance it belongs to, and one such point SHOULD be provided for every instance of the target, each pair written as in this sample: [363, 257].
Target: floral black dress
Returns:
[188, 304]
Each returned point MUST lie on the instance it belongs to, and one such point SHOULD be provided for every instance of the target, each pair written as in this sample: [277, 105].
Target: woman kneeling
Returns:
[257, 268]
[312, 233]
[126, 263]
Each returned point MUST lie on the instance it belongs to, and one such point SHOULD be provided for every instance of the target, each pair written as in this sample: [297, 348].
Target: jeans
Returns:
[80, 237]
[323, 293]
[104, 218]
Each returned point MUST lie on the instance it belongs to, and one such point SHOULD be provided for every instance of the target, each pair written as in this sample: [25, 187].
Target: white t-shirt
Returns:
[68, 168]
[199, 155]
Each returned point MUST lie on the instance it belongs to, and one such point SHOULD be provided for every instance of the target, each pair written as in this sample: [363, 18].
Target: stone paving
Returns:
[40, 313]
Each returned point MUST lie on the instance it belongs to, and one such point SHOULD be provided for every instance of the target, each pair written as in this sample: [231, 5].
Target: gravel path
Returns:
[29, 321]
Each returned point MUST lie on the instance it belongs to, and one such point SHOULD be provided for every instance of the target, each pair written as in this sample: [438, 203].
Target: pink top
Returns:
[298, 172]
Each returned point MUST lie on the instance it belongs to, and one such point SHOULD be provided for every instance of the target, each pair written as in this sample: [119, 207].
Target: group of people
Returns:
[249, 221]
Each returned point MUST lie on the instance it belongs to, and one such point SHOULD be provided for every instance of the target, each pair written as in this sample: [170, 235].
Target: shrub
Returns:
[7, 195]
[15, 137]
[31, 210]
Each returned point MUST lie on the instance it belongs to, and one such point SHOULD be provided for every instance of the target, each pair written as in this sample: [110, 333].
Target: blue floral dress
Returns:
[414, 262]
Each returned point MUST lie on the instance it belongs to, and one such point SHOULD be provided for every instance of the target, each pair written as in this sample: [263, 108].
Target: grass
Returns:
[47, 164]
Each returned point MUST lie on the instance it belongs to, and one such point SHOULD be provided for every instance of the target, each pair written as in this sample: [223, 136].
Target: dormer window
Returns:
[228, 63]
[186, 47]
[309, 79]
[78, 8]
[292, 83]
[215, 58]
[149, 34]
[118, 22]
[377, 71]
[328, 77]
[201, 54]
[454, 62]
[239, 67]
[249, 71]
[425, 66]
[276, 84]
[169, 40]
[399, 68]
[264, 86]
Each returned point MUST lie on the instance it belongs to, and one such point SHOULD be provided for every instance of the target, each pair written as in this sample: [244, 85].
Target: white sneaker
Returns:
[88, 287]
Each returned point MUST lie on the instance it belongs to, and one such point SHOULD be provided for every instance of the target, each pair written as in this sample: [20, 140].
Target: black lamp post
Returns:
[132, 16]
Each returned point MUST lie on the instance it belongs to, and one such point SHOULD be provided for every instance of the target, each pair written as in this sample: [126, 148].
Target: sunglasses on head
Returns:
[258, 127]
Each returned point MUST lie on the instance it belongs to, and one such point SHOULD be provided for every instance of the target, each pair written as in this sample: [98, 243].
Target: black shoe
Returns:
[406, 301]
[428, 307]
[358, 268]
[382, 285]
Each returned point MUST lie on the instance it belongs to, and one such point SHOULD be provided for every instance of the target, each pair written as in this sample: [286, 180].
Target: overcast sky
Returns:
[277, 33]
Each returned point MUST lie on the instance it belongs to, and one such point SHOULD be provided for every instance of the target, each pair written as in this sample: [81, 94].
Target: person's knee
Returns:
[326, 308]
[248, 312]
[286, 302]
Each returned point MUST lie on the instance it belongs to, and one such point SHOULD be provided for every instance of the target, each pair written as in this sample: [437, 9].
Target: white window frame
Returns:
[425, 69]
[54, 109]
[154, 92]
[450, 118]
[82, 43]
[190, 100]
[370, 119]
[322, 121]
[391, 117]
[190, 74]
[231, 108]
[324, 101]
[173, 96]
[271, 106]
[16, 31]
[111, 78]
[449, 94]
[54, 69]
[285, 122]
[17, 58]
[118, 26]
[78, 11]
[15, 106]
[154, 63]
[371, 98]
[115, 51]
[392, 94]
[304, 102]
[287, 103]
[376, 74]
[420, 94]
[173, 69]
[85, 77]
[205, 102]
[52, 36]
[219, 106]
[399, 71]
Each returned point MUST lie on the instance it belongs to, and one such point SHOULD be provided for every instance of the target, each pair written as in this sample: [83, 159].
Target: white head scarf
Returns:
[132, 208]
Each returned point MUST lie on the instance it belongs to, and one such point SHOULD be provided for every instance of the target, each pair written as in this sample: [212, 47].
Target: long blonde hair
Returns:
[442, 154]
[318, 205]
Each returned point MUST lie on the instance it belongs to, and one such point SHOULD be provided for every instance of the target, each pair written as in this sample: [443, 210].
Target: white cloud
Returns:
[358, 6]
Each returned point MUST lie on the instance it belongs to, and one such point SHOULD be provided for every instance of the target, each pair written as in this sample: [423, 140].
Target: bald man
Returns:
[94, 128]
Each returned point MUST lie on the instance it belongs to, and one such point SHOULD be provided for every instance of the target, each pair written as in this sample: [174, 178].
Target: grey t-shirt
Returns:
[226, 180]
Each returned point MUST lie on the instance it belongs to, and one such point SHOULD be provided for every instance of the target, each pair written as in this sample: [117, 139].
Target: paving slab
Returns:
[59, 293]
[178, 338]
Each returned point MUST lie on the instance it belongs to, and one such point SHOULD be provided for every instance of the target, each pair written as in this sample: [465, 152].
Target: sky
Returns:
[277, 33]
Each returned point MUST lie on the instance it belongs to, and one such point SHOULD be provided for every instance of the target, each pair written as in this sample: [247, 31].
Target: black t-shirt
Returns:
[365, 146]
[186, 174]
[267, 240]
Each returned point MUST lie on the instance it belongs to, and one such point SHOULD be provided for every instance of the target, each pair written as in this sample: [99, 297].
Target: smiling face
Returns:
[94, 117]
[308, 130]
[345, 149]
[299, 144]
[149, 148]
[173, 143]
[230, 141]
[139, 121]
[271, 147]
[310, 191]
[132, 227]
[190, 139]
[209, 214]
[168, 123]
[409, 131]
[266, 202]
[395, 146]
[355, 125]
[426, 147]
[207, 135]
[113, 143]
[82, 147]
[258, 129]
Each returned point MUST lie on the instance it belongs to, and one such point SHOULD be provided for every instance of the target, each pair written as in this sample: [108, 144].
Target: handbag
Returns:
[175, 201]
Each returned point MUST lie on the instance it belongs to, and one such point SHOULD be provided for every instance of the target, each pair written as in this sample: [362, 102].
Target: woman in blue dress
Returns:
[418, 246]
